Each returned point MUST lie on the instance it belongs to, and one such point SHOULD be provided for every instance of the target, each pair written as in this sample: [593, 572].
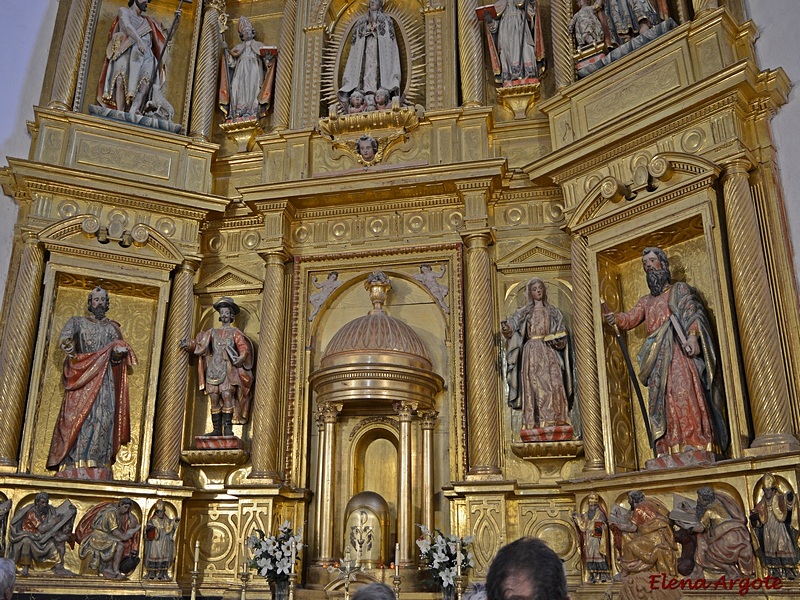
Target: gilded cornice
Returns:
[365, 188]
[75, 184]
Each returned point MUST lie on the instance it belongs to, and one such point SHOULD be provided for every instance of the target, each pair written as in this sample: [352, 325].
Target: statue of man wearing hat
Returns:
[224, 369]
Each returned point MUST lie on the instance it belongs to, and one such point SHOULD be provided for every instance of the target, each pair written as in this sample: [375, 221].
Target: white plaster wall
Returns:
[24, 47]
[778, 45]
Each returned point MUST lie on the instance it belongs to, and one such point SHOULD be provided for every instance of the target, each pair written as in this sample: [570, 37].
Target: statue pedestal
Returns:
[690, 458]
[218, 442]
[519, 99]
[243, 132]
[557, 433]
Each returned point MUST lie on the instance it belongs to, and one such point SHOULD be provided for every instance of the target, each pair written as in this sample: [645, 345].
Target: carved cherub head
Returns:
[367, 147]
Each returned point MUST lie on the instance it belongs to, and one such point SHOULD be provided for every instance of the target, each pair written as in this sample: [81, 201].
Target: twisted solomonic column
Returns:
[171, 406]
[205, 77]
[267, 407]
[470, 53]
[283, 75]
[561, 14]
[483, 408]
[758, 328]
[16, 353]
[69, 55]
[586, 357]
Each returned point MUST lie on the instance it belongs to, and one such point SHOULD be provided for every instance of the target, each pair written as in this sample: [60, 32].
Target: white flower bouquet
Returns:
[274, 556]
[443, 553]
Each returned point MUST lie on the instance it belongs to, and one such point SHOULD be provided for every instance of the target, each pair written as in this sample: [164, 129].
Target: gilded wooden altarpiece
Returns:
[489, 187]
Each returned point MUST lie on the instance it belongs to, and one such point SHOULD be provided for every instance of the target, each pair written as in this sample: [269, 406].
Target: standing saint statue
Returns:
[94, 420]
[516, 44]
[374, 58]
[771, 519]
[247, 76]
[159, 537]
[129, 80]
[224, 369]
[593, 531]
[538, 373]
[677, 362]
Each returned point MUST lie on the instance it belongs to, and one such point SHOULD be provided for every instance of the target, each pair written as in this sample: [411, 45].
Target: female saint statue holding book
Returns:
[538, 372]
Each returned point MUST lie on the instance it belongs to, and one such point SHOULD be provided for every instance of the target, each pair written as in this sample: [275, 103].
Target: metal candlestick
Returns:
[396, 580]
[460, 581]
[194, 573]
[292, 584]
[245, 577]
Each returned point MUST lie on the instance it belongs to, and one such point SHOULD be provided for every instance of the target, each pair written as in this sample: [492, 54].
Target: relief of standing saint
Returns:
[538, 373]
[224, 369]
[94, 421]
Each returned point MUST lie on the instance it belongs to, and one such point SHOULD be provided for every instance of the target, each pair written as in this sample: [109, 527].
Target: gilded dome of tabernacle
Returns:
[376, 333]
[375, 361]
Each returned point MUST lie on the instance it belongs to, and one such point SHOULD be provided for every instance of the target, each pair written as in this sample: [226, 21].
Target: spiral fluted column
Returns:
[483, 408]
[405, 495]
[470, 53]
[560, 16]
[171, 405]
[206, 72]
[758, 328]
[586, 357]
[284, 68]
[328, 468]
[267, 408]
[17, 350]
[69, 55]
[428, 423]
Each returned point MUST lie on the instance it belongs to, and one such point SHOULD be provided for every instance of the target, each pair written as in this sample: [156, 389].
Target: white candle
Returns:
[458, 560]
[294, 554]
[244, 556]
[196, 554]
[397, 559]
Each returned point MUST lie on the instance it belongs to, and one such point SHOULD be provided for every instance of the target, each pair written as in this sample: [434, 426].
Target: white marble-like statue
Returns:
[374, 58]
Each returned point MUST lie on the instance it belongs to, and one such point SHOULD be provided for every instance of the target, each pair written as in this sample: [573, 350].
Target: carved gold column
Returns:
[205, 78]
[69, 55]
[758, 329]
[284, 67]
[405, 498]
[435, 79]
[585, 354]
[428, 422]
[328, 466]
[171, 406]
[483, 402]
[17, 349]
[470, 53]
[313, 75]
[561, 14]
[320, 483]
[267, 407]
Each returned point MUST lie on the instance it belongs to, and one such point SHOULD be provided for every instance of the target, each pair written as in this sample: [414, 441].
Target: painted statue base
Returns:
[554, 433]
[218, 442]
[86, 473]
[690, 458]
[628, 47]
[144, 120]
